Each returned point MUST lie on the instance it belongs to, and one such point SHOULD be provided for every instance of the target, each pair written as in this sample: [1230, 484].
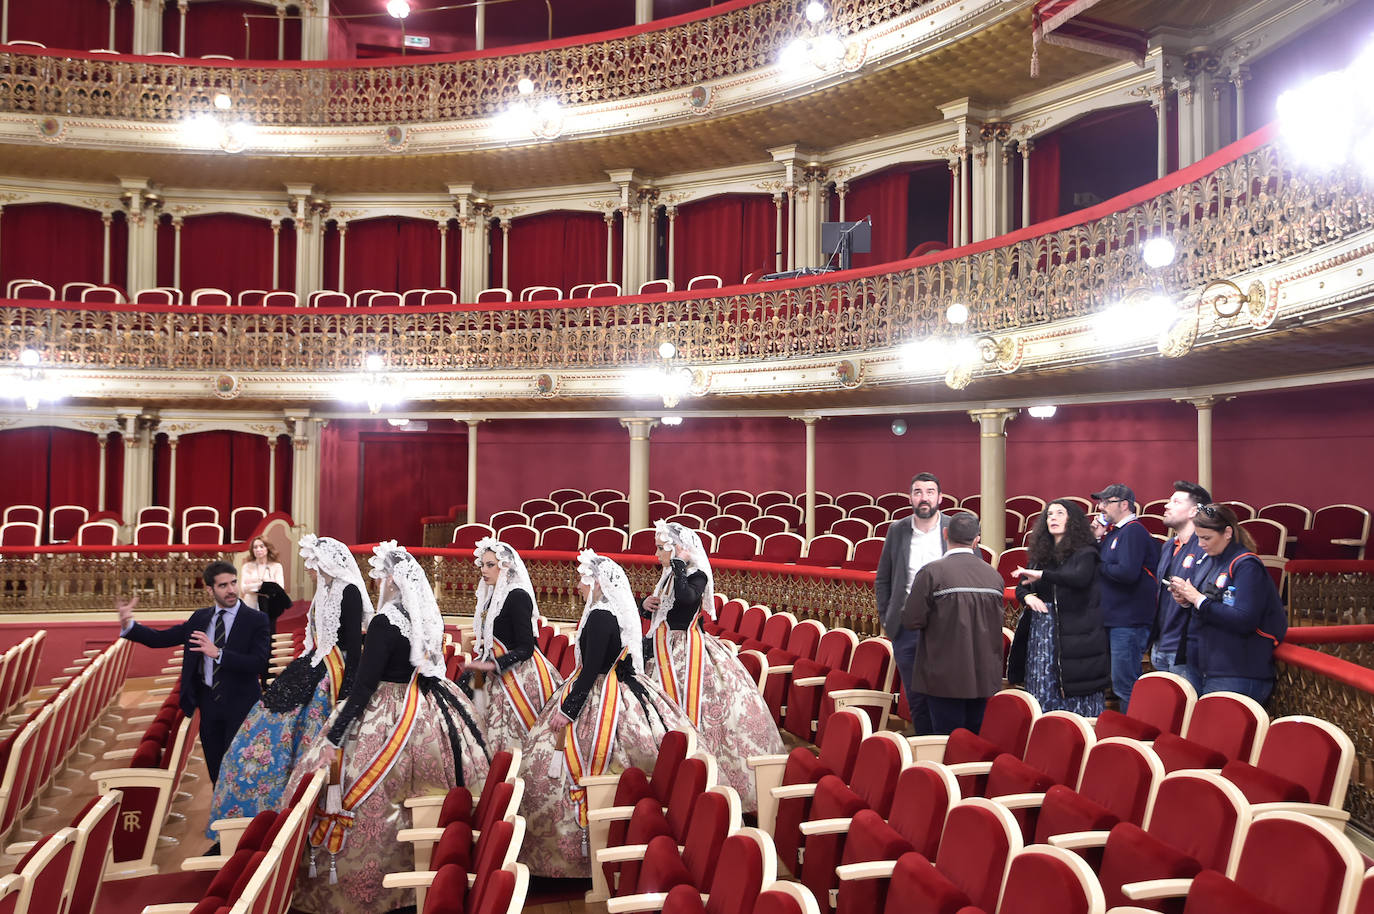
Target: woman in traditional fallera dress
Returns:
[699, 671]
[608, 716]
[511, 679]
[405, 731]
[296, 705]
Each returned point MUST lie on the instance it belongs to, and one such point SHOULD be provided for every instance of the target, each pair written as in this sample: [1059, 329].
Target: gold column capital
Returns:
[993, 422]
[639, 428]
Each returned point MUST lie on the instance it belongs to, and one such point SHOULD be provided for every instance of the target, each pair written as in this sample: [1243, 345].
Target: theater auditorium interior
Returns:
[560, 273]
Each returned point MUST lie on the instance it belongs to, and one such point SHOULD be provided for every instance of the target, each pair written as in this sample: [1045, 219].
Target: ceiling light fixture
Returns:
[815, 11]
[1043, 412]
[397, 9]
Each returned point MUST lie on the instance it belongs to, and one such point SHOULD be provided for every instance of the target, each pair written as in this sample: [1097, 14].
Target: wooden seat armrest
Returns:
[20, 848]
[417, 835]
[765, 761]
[778, 670]
[174, 908]
[826, 826]
[1336, 817]
[809, 681]
[408, 880]
[844, 698]
[621, 854]
[794, 791]
[1156, 888]
[872, 869]
[115, 754]
[424, 802]
[1075, 840]
[965, 769]
[610, 814]
[631, 904]
[600, 780]
[204, 864]
[1020, 800]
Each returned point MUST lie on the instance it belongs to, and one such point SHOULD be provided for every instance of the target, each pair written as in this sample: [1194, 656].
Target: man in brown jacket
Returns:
[957, 603]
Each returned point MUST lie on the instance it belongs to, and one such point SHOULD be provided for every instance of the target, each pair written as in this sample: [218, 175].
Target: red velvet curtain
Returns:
[285, 458]
[225, 251]
[1044, 178]
[30, 249]
[222, 469]
[218, 27]
[882, 196]
[390, 253]
[729, 236]
[406, 476]
[560, 249]
[51, 466]
[77, 24]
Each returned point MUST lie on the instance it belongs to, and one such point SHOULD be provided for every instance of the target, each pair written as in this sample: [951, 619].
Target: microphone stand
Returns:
[843, 245]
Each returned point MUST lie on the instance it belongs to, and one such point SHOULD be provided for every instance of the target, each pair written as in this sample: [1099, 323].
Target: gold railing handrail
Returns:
[334, 93]
[1245, 208]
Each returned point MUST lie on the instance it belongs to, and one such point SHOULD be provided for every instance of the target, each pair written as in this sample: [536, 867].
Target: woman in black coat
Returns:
[1060, 651]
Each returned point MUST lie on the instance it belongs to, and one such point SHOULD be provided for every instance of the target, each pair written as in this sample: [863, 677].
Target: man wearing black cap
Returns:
[1128, 588]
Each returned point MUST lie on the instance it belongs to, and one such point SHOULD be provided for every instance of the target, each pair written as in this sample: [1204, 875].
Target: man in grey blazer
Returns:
[912, 543]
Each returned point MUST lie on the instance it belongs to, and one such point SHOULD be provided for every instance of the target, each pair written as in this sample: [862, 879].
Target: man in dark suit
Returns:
[227, 648]
[911, 544]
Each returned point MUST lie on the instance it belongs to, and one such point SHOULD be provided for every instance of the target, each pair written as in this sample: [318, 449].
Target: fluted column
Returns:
[992, 474]
[276, 253]
[271, 474]
[1025, 147]
[343, 241]
[639, 470]
[810, 423]
[176, 251]
[315, 30]
[443, 255]
[505, 253]
[1204, 406]
[137, 484]
[105, 220]
[671, 212]
[472, 469]
[777, 234]
[103, 441]
[172, 479]
[305, 470]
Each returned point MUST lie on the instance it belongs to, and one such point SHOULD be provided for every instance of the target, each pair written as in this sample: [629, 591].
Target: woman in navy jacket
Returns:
[1237, 613]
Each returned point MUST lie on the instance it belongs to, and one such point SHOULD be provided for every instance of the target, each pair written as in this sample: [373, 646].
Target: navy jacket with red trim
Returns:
[1130, 556]
[1242, 620]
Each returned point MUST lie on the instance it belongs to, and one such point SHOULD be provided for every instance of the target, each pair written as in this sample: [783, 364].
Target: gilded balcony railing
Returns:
[622, 66]
[1251, 210]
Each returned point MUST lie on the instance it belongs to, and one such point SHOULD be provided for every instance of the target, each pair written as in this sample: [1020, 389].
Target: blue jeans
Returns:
[904, 655]
[1128, 643]
[1258, 689]
[1163, 661]
[949, 714]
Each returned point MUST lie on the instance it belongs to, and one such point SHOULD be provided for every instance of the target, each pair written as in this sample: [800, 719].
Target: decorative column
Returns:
[137, 483]
[1025, 146]
[1159, 104]
[1239, 77]
[343, 239]
[777, 233]
[105, 219]
[271, 473]
[308, 215]
[956, 202]
[182, 6]
[1204, 406]
[966, 191]
[505, 253]
[1006, 211]
[101, 439]
[992, 474]
[142, 208]
[147, 27]
[609, 218]
[810, 423]
[305, 472]
[315, 30]
[841, 191]
[479, 28]
[276, 253]
[176, 251]
[111, 44]
[644, 11]
[443, 255]
[472, 469]
[671, 212]
[172, 479]
[639, 471]
[635, 201]
[473, 212]
[281, 30]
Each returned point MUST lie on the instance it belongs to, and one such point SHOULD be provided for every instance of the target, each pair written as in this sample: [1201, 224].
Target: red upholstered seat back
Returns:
[839, 749]
[491, 851]
[835, 649]
[454, 846]
[974, 850]
[805, 638]
[776, 630]
[1224, 725]
[494, 896]
[919, 806]
[48, 879]
[1159, 701]
[706, 832]
[1119, 776]
[1056, 746]
[686, 787]
[870, 838]
[729, 617]
[752, 622]
[493, 804]
[1039, 882]
[1194, 814]
[448, 892]
[1305, 754]
[871, 661]
[1298, 866]
[672, 751]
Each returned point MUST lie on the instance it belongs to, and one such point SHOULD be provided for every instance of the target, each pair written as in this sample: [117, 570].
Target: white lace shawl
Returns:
[490, 599]
[420, 621]
[610, 590]
[337, 568]
[680, 536]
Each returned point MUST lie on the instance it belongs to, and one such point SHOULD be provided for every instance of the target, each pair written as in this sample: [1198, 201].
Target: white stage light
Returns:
[957, 313]
[667, 350]
[525, 85]
[1158, 252]
[1043, 412]
[815, 11]
[398, 9]
[671, 420]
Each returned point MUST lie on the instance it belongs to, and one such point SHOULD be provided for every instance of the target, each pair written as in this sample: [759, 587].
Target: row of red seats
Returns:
[19, 670]
[66, 713]
[23, 525]
[63, 872]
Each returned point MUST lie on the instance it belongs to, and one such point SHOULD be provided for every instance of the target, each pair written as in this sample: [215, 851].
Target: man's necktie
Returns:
[219, 644]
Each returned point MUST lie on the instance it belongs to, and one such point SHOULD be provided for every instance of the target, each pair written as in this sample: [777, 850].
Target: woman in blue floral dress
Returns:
[295, 707]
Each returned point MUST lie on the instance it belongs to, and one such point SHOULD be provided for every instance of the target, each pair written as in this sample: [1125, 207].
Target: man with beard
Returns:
[912, 543]
[1181, 557]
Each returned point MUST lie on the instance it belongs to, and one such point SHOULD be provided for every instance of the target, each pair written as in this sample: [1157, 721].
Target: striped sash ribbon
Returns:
[682, 686]
[334, 669]
[603, 741]
[526, 706]
[332, 828]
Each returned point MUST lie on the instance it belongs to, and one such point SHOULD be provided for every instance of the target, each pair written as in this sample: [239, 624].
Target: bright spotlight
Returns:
[815, 11]
[375, 363]
[671, 420]
[223, 102]
[667, 350]
[957, 313]
[30, 358]
[525, 85]
[827, 50]
[1138, 318]
[1158, 252]
[1319, 119]
[549, 108]
[202, 130]
[793, 56]
[398, 9]
[1043, 412]
[931, 355]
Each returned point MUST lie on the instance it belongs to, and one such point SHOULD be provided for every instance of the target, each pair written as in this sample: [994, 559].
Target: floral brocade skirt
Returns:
[733, 721]
[554, 834]
[1042, 670]
[262, 755]
[505, 724]
[424, 766]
